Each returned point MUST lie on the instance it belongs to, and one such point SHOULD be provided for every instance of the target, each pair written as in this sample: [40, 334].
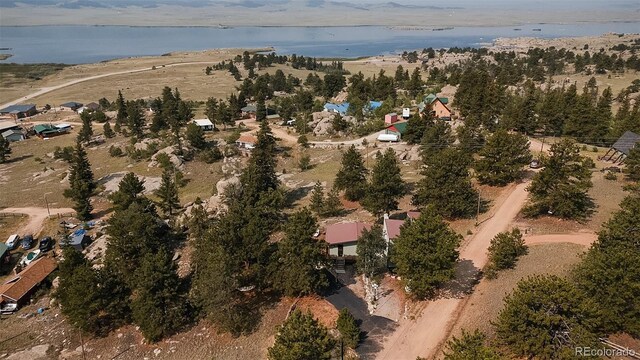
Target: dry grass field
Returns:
[485, 303]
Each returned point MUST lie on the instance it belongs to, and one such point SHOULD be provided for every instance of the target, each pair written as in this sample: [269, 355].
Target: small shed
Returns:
[71, 105]
[620, 149]
[204, 124]
[390, 118]
[13, 135]
[78, 239]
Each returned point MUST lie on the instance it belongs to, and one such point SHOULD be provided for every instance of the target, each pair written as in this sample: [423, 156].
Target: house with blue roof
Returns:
[342, 108]
[19, 111]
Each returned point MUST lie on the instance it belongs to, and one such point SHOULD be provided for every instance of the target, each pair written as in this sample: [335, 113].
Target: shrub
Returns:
[504, 251]
[610, 176]
[305, 162]
[65, 153]
[211, 155]
[349, 328]
[115, 151]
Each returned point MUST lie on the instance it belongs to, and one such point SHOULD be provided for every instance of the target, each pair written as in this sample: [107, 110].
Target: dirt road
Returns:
[36, 216]
[49, 89]
[584, 239]
[423, 336]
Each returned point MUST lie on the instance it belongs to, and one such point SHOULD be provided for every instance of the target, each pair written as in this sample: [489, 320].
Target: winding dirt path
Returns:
[37, 216]
[423, 336]
[49, 89]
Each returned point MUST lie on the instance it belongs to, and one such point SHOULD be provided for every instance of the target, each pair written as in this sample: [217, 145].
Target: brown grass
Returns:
[485, 303]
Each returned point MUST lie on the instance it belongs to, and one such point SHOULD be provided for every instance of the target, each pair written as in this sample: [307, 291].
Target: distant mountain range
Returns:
[250, 4]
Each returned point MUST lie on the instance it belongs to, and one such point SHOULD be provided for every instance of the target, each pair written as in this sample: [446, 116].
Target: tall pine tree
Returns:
[352, 176]
[81, 183]
[385, 186]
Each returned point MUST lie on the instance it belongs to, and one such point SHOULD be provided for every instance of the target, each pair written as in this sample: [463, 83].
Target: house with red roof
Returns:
[342, 238]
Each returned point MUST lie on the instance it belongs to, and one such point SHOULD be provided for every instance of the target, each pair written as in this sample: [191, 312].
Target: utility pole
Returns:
[478, 212]
[47, 203]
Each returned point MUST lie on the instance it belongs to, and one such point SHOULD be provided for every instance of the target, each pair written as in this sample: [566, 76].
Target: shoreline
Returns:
[417, 26]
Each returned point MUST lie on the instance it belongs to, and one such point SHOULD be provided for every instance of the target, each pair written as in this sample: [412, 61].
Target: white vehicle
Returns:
[388, 137]
[406, 113]
[30, 257]
[8, 308]
[13, 241]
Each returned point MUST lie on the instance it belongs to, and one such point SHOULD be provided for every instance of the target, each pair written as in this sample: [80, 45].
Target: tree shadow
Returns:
[297, 194]
[18, 158]
[466, 278]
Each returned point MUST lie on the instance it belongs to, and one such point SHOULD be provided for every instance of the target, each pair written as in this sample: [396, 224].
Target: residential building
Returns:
[19, 111]
[45, 130]
[438, 105]
[399, 129]
[622, 147]
[204, 124]
[71, 105]
[89, 107]
[8, 125]
[342, 238]
[18, 288]
[247, 141]
[13, 135]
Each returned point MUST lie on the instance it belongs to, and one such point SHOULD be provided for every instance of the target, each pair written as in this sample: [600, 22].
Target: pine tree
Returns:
[352, 176]
[168, 192]
[546, 317]
[107, 131]
[211, 110]
[503, 158]
[121, 107]
[372, 253]
[261, 109]
[79, 292]
[158, 307]
[436, 137]
[386, 186]
[81, 183]
[416, 126]
[414, 85]
[504, 251]
[632, 164]
[425, 253]
[610, 270]
[447, 186]
[133, 232]
[195, 135]
[348, 327]
[561, 188]
[135, 119]
[470, 346]
[317, 198]
[129, 191]
[86, 132]
[302, 337]
[299, 257]
[332, 206]
[5, 149]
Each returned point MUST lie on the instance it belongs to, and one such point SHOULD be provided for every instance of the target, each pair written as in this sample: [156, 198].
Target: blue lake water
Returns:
[87, 44]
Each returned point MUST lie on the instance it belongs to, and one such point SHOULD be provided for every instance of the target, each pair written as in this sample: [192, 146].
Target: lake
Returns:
[88, 44]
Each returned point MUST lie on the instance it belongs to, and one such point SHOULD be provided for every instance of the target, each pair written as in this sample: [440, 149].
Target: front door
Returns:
[340, 250]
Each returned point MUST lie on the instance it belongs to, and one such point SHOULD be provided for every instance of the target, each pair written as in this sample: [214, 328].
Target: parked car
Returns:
[8, 308]
[45, 244]
[13, 241]
[535, 164]
[27, 242]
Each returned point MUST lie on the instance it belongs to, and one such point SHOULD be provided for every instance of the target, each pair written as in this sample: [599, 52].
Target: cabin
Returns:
[46, 130]
[19, 111]
[18, 288]
[204, 124]
[274, 118]
[406, 113]
[342, 238]
[621, 148]
[390, 118]
[246, 141]
[438, 105]
[398, 129]
[13, 135]
[71, 105]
